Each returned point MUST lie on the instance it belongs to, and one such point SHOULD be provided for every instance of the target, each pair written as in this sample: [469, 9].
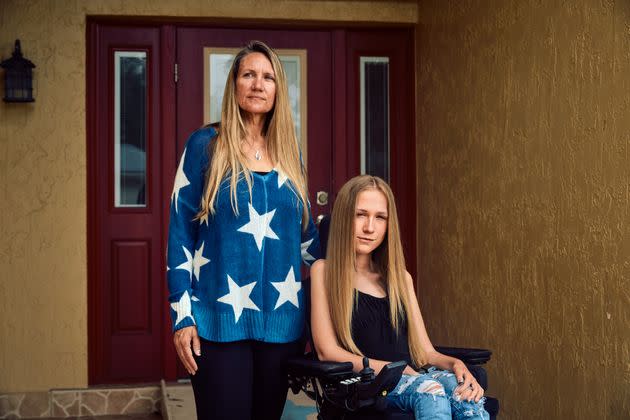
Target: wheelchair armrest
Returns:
[301, 366]
[468, 356]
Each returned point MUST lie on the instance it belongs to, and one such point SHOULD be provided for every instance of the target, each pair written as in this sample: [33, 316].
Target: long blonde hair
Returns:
[278, 130]
[387, 258]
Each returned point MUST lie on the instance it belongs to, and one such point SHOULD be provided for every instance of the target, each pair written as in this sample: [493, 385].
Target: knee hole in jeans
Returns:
[431, 387]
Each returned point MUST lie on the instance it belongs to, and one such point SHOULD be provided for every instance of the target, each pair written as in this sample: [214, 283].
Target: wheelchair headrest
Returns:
[324, 226]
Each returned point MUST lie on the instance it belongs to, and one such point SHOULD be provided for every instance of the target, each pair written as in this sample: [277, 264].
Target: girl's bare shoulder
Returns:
[318, 267]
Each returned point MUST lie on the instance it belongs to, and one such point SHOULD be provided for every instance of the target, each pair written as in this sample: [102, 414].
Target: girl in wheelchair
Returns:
[364, 304]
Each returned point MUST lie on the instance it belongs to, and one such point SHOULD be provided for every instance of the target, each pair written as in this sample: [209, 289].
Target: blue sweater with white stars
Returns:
[237, 276]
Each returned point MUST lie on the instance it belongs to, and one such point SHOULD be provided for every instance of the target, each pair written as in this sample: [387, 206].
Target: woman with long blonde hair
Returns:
[364, 304]
[239, 228]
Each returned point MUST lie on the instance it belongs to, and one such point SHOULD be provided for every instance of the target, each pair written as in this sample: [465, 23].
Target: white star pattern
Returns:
[199, 261]
[203, 219]
[258, 226]
[180, 180]
[188, 264]
[288, 290]
[305, 255]
[238, 298]
[182, 307]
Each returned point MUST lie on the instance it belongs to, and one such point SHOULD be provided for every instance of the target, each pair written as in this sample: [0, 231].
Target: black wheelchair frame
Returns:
[341, 393]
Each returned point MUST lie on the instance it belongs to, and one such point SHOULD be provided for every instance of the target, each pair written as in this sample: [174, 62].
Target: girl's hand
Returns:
[182, 340]
[468, 389]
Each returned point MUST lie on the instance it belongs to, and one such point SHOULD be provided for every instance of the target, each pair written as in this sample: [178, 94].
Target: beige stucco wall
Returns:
[524, 197]
[43, 249]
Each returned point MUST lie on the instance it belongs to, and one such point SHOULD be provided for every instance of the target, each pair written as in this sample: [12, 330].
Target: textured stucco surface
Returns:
[524, 197]
[43, 249]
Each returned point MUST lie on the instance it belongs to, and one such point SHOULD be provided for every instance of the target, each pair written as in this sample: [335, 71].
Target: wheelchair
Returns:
[340, 393]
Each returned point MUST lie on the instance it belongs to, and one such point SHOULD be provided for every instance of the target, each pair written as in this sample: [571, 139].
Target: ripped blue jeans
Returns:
[430, 396]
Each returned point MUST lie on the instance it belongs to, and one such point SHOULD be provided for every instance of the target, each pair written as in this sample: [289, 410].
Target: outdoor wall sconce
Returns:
[18, 77]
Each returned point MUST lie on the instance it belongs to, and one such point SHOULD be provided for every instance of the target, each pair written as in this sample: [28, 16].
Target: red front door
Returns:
[197, 48]
[150, 87]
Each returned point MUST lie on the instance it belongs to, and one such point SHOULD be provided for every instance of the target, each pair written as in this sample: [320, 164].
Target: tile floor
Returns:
[179, 402]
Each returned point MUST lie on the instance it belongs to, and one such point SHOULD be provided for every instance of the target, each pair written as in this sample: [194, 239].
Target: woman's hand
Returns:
[182, 339]
[468, 389]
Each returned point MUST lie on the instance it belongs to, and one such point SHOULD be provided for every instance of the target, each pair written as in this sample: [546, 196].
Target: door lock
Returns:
[322, 198]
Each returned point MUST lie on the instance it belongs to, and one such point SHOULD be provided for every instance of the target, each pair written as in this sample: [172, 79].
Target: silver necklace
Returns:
[258, 155]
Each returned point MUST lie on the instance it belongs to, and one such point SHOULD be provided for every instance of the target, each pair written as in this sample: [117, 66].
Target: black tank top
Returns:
[373, 333]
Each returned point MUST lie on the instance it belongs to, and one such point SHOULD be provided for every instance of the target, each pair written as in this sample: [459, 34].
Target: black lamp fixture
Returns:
[18, 77]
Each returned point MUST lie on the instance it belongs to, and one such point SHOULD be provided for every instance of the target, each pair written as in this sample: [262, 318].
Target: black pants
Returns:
[242, 380]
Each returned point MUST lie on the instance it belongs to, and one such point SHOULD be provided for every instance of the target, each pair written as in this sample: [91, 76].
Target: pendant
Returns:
[258, 155]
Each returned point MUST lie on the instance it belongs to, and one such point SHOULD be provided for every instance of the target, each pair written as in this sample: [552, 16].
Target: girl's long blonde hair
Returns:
[278, 130]
[388, 259]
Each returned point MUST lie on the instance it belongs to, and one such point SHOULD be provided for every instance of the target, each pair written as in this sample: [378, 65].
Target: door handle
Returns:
[322, 198]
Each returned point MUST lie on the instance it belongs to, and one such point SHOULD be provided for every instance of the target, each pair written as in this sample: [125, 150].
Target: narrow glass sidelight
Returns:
[130, 128]
[374, 80]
